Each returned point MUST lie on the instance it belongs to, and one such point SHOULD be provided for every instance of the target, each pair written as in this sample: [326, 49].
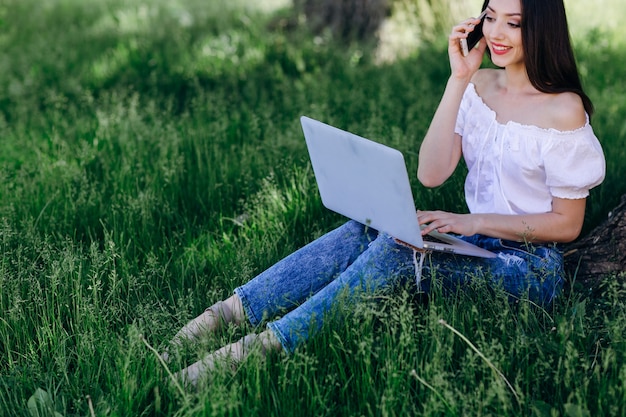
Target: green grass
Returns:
[152, 160]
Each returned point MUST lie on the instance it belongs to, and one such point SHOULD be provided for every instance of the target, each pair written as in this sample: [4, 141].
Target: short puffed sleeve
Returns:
[574, 163]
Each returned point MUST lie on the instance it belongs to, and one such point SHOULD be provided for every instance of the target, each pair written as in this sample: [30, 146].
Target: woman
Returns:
[532, 157]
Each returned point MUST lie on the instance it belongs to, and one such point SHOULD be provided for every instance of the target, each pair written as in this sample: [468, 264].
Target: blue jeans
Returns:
[354, 259]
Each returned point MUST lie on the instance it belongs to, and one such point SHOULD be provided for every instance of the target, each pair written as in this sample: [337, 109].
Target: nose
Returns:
[495, 29]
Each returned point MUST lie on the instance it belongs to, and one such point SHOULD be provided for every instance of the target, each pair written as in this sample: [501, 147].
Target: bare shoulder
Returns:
[565, 111]
[486, 78]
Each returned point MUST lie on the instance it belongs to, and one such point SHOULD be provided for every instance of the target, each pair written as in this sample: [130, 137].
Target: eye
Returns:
[489, 18]
[514, 25]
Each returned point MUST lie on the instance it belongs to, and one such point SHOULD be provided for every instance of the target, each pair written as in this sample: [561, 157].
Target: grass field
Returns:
[152, 159]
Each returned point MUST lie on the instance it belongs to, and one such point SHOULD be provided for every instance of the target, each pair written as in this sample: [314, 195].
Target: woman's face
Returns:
[502, 30]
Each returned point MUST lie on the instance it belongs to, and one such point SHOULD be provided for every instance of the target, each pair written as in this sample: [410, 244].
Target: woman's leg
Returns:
[383, 265]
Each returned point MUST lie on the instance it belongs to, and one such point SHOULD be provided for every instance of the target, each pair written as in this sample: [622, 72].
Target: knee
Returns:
[356, 229]
[384, 242]
[388, 254]
[352, 226]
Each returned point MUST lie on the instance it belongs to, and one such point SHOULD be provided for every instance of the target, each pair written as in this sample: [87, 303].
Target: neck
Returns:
[516, 80]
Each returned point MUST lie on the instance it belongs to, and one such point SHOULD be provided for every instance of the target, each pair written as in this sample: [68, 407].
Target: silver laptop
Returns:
[368, 182]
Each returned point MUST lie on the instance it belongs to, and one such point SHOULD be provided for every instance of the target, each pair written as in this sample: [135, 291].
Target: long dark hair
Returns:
[548, 53]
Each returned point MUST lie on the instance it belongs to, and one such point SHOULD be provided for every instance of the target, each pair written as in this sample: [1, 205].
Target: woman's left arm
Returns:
[563, 224]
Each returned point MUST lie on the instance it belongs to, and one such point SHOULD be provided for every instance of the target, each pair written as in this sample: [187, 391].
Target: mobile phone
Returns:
[474, 36]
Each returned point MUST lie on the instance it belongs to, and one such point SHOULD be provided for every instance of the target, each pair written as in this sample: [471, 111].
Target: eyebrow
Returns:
[508, 14]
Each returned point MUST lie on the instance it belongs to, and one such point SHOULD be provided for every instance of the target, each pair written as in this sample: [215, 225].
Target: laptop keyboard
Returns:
[432, 239]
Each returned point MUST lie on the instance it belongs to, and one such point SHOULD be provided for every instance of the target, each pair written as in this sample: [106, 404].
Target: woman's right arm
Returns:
[441, 151]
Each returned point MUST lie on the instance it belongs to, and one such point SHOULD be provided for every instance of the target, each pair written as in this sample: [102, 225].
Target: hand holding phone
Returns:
[474, 36]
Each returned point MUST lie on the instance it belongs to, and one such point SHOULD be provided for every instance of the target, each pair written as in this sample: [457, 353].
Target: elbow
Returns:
[429, 180]
[568, 238]
[570, 234]
[568, 216]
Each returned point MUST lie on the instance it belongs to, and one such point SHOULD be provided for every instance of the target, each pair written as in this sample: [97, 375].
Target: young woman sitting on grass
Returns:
[532, 157]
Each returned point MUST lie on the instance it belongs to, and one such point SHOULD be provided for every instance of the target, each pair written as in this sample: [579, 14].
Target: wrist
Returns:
[459, 81]
[479, 223]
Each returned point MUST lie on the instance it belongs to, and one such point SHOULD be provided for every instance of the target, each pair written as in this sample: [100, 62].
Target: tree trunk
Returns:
[347, 19]
[602, 252]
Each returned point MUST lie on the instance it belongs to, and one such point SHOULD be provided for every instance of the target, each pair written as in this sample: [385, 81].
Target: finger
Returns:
[426, 230]
[460, 30]
[428, 219]
[424, 216]
[470, 23]
[441, 228]
[464, 46]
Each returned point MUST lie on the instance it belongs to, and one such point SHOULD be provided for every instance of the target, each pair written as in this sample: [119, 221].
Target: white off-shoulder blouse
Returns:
[518, 169]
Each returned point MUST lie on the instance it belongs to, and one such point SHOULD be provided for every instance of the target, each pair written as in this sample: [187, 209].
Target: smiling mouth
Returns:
[499, 48]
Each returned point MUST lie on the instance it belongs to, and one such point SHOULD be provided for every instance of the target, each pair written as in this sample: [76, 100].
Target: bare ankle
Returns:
[269, 340]
[212, 319]
[235, 308]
